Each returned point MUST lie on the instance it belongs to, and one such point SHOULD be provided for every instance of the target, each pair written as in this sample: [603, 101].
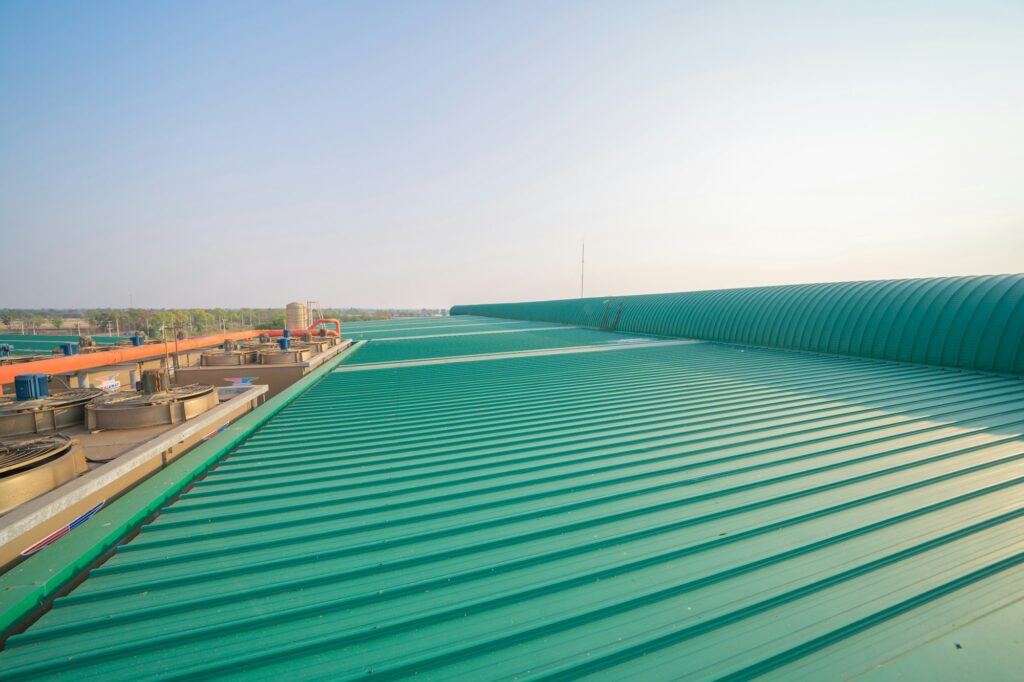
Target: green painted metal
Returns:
[45, 343]
[965, 322]
[466, 343]
[36, 580]
[403, 322]
[478, 326]
[688, 511]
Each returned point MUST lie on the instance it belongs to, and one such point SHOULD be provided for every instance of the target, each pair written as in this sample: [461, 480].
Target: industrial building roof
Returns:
[613, 510]
[45, 343]
[965, 322]
[435, 326]
[463, 343]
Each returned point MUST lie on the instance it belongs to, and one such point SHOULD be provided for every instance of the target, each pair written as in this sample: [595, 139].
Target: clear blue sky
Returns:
[433, 153]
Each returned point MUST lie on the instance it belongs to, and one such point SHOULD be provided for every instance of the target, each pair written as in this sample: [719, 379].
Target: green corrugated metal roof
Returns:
[45, 343]
[966, 322]
[473, 341]
[478, 326]
[640, 513]
[628, 512]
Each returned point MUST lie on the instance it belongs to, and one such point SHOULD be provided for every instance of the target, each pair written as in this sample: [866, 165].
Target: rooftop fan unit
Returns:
[50, 413]
[221, 358]
[33, 465]
[156, 403]
[229, 354]
[285, 355]
[316, 344]
[256, 344]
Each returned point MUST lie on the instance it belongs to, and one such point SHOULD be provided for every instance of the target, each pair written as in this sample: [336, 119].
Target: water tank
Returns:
[297, 315]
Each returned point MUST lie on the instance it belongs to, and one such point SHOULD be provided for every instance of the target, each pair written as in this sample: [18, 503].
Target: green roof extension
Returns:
[46, 343]
[964, 322]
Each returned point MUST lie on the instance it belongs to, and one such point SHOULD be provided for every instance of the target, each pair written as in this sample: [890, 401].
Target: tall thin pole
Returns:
[167, 351]
[583, 262]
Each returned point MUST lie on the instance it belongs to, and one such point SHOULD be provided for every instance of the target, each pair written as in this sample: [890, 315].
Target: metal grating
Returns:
[75, 396]
[20, 453]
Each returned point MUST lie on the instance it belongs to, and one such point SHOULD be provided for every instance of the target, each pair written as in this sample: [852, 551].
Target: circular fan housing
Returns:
[57, 411]
[222, 358]
[33, 465]
[134, 409]
[284, 357]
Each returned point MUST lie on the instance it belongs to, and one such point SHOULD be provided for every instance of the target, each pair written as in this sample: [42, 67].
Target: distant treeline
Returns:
[191, 321]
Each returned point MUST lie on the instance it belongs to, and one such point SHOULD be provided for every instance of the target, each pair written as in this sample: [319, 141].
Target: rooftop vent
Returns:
[33, 465]
[35, 415]
[155, 404]
[230, 354]
[284, 357]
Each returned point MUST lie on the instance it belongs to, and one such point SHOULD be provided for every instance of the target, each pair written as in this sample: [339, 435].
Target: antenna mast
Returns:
[583, 261]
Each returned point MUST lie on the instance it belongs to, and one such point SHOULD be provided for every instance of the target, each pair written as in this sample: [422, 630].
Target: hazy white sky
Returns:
[433, 153]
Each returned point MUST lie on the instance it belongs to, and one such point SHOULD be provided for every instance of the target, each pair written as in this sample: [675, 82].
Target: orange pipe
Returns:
[69, 364]
[311, 328]
[328, 320]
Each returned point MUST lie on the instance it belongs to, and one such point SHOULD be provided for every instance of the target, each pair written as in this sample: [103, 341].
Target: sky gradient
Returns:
[401, 154]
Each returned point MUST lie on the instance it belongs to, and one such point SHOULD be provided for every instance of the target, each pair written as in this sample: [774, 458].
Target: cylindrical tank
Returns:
[297, 315]
[151, 381]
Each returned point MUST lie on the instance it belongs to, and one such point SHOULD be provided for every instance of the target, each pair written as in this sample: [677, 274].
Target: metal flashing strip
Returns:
[480, 333]
[458, 345]
[31, 584]
[368, 328]
[515, 354]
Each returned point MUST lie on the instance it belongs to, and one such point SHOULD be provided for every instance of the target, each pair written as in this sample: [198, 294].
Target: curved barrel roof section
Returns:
[974, 323]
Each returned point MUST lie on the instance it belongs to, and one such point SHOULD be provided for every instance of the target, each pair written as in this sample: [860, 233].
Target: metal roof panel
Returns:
[701, 509]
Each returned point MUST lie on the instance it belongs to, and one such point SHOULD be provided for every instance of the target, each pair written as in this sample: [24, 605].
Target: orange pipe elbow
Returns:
[310, 328]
